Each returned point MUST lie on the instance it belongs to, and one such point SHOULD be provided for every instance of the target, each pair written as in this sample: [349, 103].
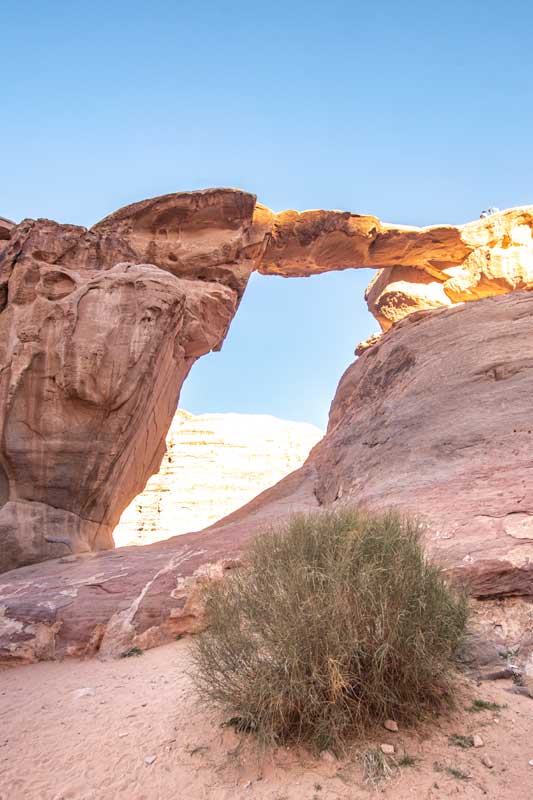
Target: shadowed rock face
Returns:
[95, 346]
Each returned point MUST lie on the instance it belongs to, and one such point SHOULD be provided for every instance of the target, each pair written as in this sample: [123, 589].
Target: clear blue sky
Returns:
[415, 112]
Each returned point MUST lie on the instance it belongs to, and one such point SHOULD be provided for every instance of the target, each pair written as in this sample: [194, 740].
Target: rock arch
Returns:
[99, 329]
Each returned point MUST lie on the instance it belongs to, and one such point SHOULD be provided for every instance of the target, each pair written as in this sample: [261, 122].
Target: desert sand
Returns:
[86, 730]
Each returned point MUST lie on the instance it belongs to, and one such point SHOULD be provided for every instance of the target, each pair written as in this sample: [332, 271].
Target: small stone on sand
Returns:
[85, 692]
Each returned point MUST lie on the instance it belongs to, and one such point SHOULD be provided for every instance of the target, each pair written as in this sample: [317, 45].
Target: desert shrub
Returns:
[336, 623]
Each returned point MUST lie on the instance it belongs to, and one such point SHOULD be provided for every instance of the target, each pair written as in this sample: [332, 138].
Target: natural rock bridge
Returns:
[100, 327]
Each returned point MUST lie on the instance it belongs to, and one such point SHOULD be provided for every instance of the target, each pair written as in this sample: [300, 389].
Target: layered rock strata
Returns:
[213, 465]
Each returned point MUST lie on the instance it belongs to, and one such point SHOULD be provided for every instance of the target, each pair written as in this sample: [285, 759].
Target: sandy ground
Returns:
[82, 731]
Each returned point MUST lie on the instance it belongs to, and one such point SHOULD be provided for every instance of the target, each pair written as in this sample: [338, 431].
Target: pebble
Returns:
[328, 757]
[388, 749]
[530, 762]
[486, 761]
[391, 725]
[478, 741]
[150, 759]
[85, 692]
[121, 735]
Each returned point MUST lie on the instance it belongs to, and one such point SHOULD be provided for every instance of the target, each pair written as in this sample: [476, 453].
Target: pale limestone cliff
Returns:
[213, 465]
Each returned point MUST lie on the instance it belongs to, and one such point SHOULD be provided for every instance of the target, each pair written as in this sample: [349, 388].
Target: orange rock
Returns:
[391, 725]
[421, 268]
[396, 292]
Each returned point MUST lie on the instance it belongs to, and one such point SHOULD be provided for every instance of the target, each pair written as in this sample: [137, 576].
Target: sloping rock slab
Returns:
[110, 601]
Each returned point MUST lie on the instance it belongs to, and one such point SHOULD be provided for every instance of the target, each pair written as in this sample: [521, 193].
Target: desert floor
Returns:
[83, 730]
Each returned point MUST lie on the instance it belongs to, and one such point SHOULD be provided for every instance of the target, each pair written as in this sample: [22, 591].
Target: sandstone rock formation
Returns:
[396, 292]
[100, 328]
[419, 267]
[213, 465]
[95, 346]
[435, 418]
[5, 228]
[442, 424]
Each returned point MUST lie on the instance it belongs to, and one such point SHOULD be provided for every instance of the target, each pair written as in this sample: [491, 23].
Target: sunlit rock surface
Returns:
[435, 417]
[100, 327]
[419, 268]
[214, 464]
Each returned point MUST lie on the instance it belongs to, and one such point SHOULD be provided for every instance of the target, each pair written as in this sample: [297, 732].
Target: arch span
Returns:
[90, 375]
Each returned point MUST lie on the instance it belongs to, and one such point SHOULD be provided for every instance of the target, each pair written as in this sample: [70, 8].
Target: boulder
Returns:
[396, 292]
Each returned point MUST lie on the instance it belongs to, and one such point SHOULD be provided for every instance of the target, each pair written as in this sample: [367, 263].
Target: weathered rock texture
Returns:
[5, 228]
[95, 346]
[436, 418]
[213, 465]
[100, 327]
[419, 267]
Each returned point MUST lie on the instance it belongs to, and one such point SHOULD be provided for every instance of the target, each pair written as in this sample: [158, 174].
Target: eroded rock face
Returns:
[420, 268]
[5, 228]
[430, 421]
[100, 327]
[213, 465]
[209, 235]
[396, 292]
[437, 418]
[500, 261]
[94, 351]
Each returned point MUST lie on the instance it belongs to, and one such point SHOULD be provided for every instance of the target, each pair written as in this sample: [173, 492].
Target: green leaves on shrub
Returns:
[337, 623]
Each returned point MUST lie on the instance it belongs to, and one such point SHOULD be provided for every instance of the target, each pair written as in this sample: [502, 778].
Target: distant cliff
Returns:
[214, 464]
